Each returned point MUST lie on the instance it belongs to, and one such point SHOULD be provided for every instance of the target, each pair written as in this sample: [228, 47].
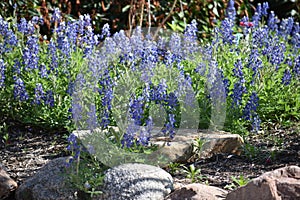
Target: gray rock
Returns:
[48, 184]
[134, 181]
[197, 191]
[7, 185]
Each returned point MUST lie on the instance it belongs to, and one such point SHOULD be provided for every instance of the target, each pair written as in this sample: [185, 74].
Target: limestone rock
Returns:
[48, 184]
[135, 182]
[280, 184]
[7, 184]
[197, 191]
[181, 147]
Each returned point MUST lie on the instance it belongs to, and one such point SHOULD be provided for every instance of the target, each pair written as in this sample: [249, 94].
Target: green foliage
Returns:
[87, 174]
[198, 146]
[192, 173]
[237, 182]
[173, 168]
[4, 133]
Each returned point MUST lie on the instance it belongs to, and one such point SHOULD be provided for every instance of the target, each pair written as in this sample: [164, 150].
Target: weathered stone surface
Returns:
[280, 184]
[135, 182]
[48, 184]
[181, 147]
[7, 185]
[177, 151]
[197, 191]
[221, 142]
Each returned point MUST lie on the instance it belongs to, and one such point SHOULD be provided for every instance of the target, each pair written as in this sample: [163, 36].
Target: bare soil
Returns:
[28, 149]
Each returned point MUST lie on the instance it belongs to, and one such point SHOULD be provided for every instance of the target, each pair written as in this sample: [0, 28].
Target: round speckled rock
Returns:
[134, 181]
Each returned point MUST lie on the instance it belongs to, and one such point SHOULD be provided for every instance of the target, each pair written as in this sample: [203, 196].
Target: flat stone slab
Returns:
[197, 191]
[181, 148]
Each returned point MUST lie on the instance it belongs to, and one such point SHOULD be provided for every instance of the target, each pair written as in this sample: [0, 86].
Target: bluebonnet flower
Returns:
[2, 73]
[226, 84]
[256, 123]
[64, 46]
[43, 71]
[251, 107]
[129, 136]
[276, 56]
[265, 8]
[27, 28]
[106, 92]
[145, 135]
[254, 63]
[136, 41]
[273, 21]
[73, 145]
[56, 16]
[9, 37]
[239, 88]
[159, 92]
[136, 109]
[175, 44]
[71, 33]
[286, 27]
[296, 41]
[22, 26]
[296, 69]
[231, 11]
[286, 79]
[90, 40]
[172, 100]
[170, 126]
[52, 52]
[49, 98]
[69, 161]
[105, 31]
[259, 10]
[260, 37]
[296, 28]
[39, 93]
[238, 70]
[255, 19]
[35, 20]
[17, 67]
[238, 92]
[81, 25]
[20, 92]
[30, 54]
[190, 39]
[226, 31]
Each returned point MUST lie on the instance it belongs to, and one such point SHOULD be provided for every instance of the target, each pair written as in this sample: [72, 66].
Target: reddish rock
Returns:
[7, 184]
[280, 184]
[197, 191]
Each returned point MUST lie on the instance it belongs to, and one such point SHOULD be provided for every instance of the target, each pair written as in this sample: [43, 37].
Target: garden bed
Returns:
[28, 149]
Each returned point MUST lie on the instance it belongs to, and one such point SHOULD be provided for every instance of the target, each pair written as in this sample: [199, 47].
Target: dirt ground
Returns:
[28, 149]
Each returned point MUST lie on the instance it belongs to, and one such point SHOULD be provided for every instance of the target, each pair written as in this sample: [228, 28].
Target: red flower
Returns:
[246, 24]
